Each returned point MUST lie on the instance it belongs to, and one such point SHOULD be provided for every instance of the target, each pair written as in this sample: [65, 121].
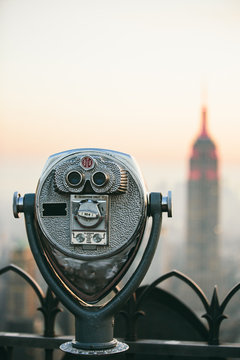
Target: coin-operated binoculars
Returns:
[85, 225]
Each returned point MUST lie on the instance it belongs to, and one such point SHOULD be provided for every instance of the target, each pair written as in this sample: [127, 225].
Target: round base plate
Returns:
[69, 348]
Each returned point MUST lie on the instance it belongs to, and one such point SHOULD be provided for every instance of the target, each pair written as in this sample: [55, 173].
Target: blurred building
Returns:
[203, 263]
[20, 308]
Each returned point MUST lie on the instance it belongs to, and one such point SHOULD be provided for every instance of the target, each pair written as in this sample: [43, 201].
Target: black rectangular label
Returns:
[54, 209]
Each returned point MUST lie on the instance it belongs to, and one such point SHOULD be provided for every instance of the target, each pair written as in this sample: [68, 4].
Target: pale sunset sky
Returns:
[128, 75]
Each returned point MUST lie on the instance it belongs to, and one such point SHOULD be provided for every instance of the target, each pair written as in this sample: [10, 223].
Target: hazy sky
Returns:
[130, 75]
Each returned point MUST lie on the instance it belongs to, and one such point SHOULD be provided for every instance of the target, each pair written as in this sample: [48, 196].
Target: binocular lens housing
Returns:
[99, 178]
[74, 178]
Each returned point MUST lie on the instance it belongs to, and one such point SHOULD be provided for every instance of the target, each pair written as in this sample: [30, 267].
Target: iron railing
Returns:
[128, 324]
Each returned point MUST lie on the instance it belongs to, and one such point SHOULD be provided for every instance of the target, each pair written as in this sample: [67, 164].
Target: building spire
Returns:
[204, 122]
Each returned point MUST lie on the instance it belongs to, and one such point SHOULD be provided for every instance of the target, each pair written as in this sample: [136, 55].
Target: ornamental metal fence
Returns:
[154, 323]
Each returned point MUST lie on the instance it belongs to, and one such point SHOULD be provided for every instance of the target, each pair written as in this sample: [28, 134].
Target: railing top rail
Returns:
[149, 346]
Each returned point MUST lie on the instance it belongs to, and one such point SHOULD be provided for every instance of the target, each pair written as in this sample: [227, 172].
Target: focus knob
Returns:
[167, 204]
[17, 204]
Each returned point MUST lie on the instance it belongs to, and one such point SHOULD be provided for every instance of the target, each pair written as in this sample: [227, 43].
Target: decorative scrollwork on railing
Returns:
[131, 314]
[214, 311]
[49, 302]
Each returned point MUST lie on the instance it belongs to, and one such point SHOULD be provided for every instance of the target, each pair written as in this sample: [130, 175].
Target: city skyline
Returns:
[143, 77]
[125, 75]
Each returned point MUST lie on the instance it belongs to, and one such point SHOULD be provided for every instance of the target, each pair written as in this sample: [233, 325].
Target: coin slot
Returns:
[54, 209]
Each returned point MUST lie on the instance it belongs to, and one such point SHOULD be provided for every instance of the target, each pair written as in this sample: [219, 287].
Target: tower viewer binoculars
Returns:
[85, 224]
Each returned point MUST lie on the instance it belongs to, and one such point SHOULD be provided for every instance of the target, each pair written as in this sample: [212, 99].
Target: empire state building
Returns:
[203, 211]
